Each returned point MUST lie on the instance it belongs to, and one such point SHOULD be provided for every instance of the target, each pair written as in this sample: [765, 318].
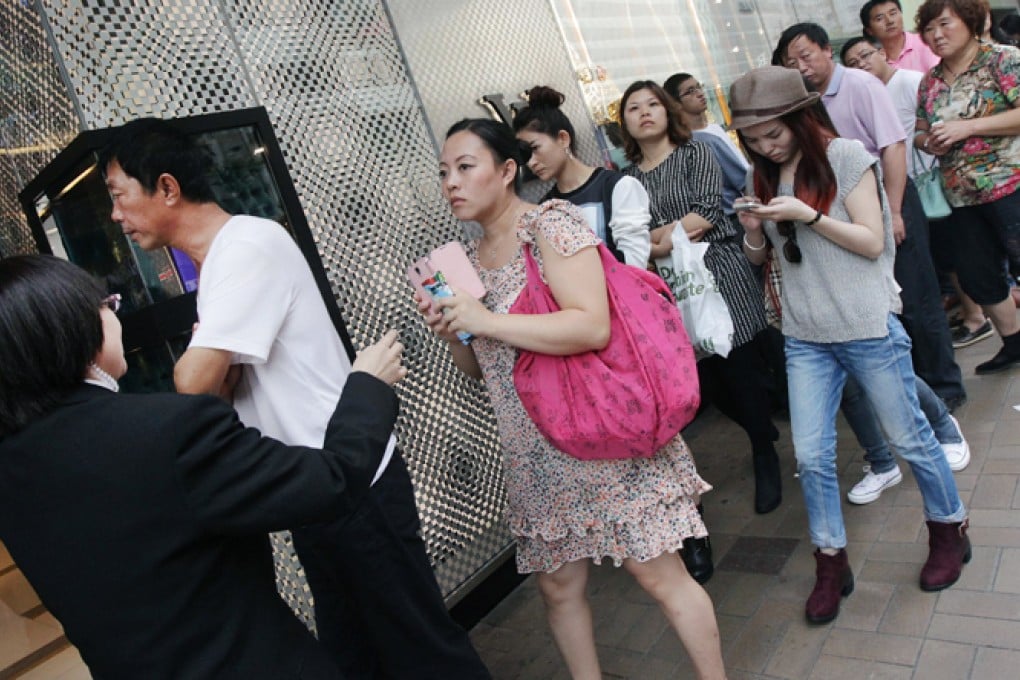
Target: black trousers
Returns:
[923, 316]
[378, 609]
[736, 385]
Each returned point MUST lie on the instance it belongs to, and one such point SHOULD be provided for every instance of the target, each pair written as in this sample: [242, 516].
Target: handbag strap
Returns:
[919, 159]
[541, 295]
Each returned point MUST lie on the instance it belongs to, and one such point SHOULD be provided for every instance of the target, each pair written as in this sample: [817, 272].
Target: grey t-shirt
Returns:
[833, 294]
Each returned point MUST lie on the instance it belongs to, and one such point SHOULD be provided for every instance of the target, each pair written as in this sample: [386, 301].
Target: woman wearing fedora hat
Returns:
[819, 202]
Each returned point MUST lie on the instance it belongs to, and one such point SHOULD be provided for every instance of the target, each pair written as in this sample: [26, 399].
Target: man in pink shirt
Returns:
[883, 20]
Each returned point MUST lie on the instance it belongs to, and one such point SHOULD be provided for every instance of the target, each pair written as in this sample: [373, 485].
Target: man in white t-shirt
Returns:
[265, 340]
[868, 55]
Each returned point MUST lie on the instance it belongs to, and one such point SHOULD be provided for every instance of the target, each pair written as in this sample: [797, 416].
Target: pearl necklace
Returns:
[101, 378]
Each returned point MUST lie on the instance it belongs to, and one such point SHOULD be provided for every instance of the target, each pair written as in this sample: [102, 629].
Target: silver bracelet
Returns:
[754, 248]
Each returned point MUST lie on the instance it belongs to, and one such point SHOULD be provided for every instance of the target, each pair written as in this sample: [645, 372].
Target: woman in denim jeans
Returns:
[820, 202]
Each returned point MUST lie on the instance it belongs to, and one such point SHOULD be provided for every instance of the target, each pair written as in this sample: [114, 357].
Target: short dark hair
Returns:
[872, 4]
[811, 31]
[673, 83]
[498, 137]
[149, 147]
[543, 114]
[676, 130]
[854, 42]
[50, 331]
[971, 12]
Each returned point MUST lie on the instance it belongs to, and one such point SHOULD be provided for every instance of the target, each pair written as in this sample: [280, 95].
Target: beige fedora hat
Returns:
[766, 93]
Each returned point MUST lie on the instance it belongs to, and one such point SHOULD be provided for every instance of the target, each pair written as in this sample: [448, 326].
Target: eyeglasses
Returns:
[111, 302]
[693, 89]
[791, 251]
[861, 58]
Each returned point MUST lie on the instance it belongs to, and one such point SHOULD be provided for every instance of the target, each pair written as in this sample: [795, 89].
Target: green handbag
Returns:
[929, 186]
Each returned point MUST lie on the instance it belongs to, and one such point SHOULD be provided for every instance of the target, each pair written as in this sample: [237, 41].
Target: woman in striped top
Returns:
[684, 185]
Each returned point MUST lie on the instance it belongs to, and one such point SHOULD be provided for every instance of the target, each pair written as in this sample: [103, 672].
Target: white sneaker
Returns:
[957, 455]
[871, 487]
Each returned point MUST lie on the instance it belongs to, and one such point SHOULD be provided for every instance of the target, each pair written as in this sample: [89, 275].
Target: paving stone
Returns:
[988, 605]
[897, 573]
[975, 630]
[840, 668]
[745, 597]
[903, 525]
[945, 661]
[1007, 580]
[907, 553]
[908, 612]
[883, 647]
[994, 492]
[758, 555]
[754, 646]
[637, 629]
[798, 651]
[979, 573]
[996, 663]
[864, 608]
[619, 662]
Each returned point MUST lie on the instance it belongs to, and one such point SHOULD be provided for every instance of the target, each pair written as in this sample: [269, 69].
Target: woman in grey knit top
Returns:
[820, 203]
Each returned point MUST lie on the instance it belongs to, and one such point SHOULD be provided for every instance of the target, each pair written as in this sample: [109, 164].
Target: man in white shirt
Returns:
[265, 339]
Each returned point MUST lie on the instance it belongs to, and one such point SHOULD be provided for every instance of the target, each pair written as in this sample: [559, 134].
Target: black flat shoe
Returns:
[697, 557]
[1000, 362]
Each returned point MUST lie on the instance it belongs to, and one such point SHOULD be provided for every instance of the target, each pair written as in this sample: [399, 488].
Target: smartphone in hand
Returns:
[747, 205]
[453, 263]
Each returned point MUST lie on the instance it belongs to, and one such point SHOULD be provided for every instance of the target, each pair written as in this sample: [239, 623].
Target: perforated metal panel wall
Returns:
[363, 161]
[36, 116]
[459, 50]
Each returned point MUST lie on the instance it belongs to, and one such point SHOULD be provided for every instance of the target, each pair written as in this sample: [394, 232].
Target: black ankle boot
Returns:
[697, 556]
[768, 483]
[1006, 357]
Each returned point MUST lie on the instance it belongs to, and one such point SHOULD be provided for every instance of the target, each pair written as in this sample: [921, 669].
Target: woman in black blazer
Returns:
[141, 520]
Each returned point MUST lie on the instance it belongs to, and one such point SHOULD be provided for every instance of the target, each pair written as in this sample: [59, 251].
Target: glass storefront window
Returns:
[714, 40]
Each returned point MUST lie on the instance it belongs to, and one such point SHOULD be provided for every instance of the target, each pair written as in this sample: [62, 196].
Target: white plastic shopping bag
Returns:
[706, 316]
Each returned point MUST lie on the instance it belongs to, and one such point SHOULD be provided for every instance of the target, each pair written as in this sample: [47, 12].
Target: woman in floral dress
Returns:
[968, 116]
[564, 512]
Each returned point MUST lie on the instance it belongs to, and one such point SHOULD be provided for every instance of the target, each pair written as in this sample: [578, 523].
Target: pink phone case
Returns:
[453, 262]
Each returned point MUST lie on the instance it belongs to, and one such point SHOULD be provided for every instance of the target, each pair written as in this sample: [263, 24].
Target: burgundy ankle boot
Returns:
[948, 551]
[833, 580]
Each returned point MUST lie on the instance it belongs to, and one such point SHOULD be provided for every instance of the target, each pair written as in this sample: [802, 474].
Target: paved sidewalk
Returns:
[888, 628]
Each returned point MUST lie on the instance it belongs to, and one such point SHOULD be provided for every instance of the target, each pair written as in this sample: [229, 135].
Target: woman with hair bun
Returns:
[615, 205]
[563, 512]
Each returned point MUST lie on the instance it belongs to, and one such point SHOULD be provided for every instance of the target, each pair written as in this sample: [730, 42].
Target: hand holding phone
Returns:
[453, 262]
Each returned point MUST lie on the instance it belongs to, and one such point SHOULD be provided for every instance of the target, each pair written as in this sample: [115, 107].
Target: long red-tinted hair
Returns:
[814, 182]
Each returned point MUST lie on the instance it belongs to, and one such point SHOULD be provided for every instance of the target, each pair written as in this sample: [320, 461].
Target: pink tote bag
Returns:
[626, 400]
